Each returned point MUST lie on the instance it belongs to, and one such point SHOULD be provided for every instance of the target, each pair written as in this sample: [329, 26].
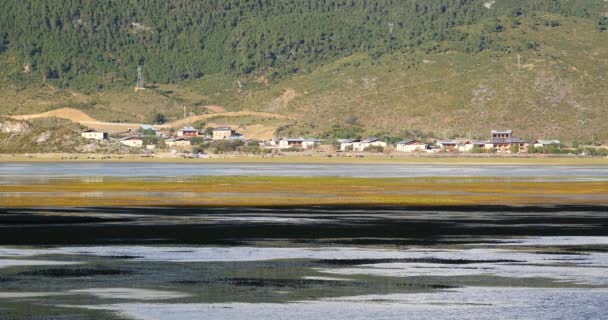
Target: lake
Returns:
[302, 262]
[171, 170]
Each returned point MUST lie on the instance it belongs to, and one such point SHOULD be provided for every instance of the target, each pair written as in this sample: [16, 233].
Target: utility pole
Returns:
[518, 62]
[140, 79]
[391, 27]
[184, 112]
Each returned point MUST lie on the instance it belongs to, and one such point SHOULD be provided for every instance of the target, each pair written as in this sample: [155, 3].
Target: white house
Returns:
[369, 142]
[469, 145]
[94, 135]
[410, 145]
[311, 143]
[347, 143]
[360, 145]
[286, 143]
[132, 141]
[448, 145]
[546, 143]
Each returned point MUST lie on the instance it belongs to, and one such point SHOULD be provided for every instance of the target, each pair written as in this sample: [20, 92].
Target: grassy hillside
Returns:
[557, 90]
[50, 135]
[438, 87]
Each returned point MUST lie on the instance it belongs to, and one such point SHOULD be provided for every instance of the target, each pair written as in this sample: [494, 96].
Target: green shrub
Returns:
[224, 146]
[196, 140]
[514, 148]
[477, 150]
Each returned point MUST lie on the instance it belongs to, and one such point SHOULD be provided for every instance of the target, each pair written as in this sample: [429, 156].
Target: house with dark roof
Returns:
[132, 141]
[187, 132]
[360, 145]
[370, 142]
[94, 135]
[223, 132]
[448, 145]
[502, 134]
[505, 142]
[410, 145]
[286, 143]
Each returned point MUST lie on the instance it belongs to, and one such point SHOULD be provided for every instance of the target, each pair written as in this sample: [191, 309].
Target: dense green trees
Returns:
[94, 43]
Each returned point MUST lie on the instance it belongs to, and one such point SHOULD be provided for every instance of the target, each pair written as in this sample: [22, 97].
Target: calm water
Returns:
[302, 262]
[11, 170]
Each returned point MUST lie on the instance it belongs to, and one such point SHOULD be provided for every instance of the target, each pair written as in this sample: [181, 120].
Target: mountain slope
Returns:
[559, 89]
[92, 44]
[399, 68]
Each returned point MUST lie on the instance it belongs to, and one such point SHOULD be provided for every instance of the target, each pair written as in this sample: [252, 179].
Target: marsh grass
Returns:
[292, 191]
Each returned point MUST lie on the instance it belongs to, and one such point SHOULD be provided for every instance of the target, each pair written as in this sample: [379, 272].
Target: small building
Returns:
[187, 132]
[132, 141]
[274, 142]
[410, 145]
[286, 143]
[502, 134]
[359, 145]
[471, 145]
[369, 142]
[506, 145]
[347, 143]
[448, 145]
[94, 135]
[547, 143]
[223, 132]
[177, 142]
[311, 143]
[503, 141]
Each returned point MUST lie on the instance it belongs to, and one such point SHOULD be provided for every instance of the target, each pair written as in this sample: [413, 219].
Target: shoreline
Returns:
[316, 158]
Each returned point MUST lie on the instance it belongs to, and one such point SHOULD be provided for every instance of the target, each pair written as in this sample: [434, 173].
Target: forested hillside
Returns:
[396, 67]
[89, 44]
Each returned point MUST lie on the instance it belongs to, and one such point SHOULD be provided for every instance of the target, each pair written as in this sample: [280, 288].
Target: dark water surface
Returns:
[304, 263]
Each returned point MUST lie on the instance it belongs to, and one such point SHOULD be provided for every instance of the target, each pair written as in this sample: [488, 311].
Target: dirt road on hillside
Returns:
[84, 119]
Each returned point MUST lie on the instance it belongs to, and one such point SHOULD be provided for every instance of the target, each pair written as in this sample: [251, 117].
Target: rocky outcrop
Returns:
[13, 126]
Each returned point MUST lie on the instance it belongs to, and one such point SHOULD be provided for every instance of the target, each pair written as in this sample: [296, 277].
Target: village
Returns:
[192, 142]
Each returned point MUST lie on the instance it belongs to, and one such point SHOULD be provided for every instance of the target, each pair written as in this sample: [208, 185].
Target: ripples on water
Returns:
[310, 263]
